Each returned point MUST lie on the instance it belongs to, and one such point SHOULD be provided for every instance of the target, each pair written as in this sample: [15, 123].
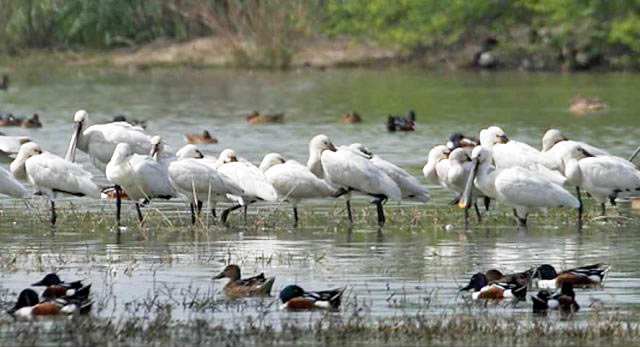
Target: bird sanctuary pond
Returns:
[152, 283]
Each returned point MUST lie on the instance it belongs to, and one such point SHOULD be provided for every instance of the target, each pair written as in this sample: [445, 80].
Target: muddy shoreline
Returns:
[219, 52]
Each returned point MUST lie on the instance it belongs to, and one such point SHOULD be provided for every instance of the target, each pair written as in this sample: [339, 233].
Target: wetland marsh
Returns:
[153, 284]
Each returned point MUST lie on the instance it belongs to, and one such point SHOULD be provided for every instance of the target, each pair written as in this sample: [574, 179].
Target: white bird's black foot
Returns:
[522, 221]
[225, 214]
[53, 213]
[475, 207]
[139, 212]
[118, 203]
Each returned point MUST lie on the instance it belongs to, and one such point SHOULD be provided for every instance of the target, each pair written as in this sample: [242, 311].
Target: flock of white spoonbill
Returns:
[493, 168]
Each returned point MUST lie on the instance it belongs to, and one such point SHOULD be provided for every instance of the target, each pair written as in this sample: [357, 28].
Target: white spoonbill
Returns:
[603, 177]
[554, 137]
[451, 169]
[460, 167]
[140, 176]
[158, 151]
[437, 167]
[100, 140]
[9, 185]
[350, 171]
[509, 153]
[522, 189]
[199, 182]
[10, 145]
[50, 175]
[293, 181]
[248, 177]
[409, 185]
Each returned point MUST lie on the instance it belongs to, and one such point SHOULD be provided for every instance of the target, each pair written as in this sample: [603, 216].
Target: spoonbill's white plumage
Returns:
[199, 182]
[100, 140]
[509, 153]
[409, 186]
[603, 177]
[9, 185]
[437, 167]
[248, 177]
[158, 151]
[553, 137]
[50, 175]
[10, 145]
[293, 181]
[522, 189]
[450, 169]
[140, 176]
[344, 168]
[460, 167]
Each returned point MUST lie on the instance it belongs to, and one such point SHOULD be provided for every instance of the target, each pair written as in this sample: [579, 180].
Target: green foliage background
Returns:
[602, 27]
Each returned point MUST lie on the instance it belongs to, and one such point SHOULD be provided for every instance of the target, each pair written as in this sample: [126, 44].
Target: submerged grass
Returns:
[175, 216]
[150, 321]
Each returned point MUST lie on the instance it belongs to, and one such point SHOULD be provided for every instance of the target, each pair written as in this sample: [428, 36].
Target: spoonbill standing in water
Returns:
[140, 176]
[50, 175]
[248, 177]
[450, 169]
[100, 140]
[293, 181]
[199, 182]
[345, 168]
[522, 189]
[409, 185]
[603, 177]
[509, 153]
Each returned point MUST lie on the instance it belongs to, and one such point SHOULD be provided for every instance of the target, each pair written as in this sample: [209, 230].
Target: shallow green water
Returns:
[393, 270]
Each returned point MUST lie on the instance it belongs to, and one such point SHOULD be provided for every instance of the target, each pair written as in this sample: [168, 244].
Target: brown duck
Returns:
[239, 288]
[257, 118]
[33, 122]
[198, 139]
[352, 118]
[580, 104]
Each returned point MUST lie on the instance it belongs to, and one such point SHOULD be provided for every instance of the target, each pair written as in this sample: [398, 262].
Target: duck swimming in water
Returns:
[257, 118]
[238, 288]
[399, 123]
[199, 139]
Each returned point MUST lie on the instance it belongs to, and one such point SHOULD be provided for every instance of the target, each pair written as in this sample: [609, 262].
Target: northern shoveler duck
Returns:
[238, 288]
[580, 104]
[4, 85]
[122, 118]
[33, 122]
[295, 298]
[407, 123]
[29, 306]
[565, 300]
[257, 118]
[546, 277]
[459, 140]
[8, 120]
[198, 139]
[481, 289]
[352, 118]
[519, 278]
[56, 288]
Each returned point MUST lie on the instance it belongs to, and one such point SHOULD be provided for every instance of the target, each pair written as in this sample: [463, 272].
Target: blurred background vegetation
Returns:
[535, 33]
